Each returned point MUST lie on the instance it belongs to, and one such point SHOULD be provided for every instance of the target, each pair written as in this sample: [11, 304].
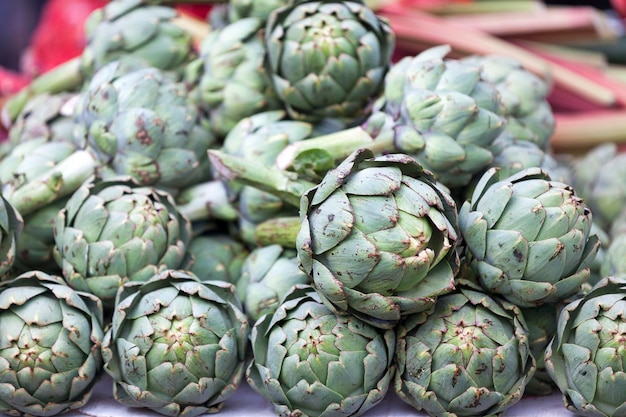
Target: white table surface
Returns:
[246, 402]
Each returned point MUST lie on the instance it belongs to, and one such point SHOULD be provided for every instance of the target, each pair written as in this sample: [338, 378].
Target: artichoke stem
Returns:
[278, 231]
[285, 185]
[62, 180]
[64, 77]
[339, 145]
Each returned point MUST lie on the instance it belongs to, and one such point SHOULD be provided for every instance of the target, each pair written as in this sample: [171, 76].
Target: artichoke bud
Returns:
[188, 340]
[113, 231]
[586, 357]
[378, 237]
[327, 59]
[468, 355]
[50, 353]
[528, 238]
[309, 362]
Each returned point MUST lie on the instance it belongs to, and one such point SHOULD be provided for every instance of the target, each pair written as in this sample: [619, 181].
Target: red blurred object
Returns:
[200, 11]
[620, 7]
[60, 34]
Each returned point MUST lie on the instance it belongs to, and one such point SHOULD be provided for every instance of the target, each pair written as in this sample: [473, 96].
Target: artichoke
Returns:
[115, 231]
[327, 59]
[176, 345]
[267, 275]
[50, 345]
[587, 358]
[216, 257]
[445, 114]
[378, 237]
[597, 177]
[310, 362]
[134, 27]
[528, 238]
[528, 114]
[468, 356]
[138, 121]
[228, 78]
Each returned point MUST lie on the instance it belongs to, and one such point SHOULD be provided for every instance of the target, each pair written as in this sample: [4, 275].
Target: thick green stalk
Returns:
[281, 231]
[282, 184]
[64, 77]
[332, 147]
[62, 180]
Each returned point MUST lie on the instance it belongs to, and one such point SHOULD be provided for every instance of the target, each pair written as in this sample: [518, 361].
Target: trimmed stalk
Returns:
[281, 231]
[282, 184]
[60, 181]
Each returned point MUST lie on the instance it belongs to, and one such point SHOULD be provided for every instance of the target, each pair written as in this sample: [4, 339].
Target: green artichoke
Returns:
[327, 59]
[586, 359]
[528, 238]
[139, 122]
[115, 231]
[11, 226]
[310, 362]
[468, 356]
[528, 114]
[216, 257]
[50, 345]
[445, 114]
[378, 237]
[228, 79]
[134, 27]
[267, 275]
[176, 345]
[597, 177]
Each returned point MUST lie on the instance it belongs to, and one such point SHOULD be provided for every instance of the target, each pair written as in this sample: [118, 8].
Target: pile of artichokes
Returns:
[280, 203]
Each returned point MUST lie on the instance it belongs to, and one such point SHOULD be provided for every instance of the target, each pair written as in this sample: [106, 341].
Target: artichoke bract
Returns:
[310, 362]
[327, 59]
[177, 345]
[469, 356]
[587, 359]
[50, 345]
[528, 237]
[114, 231]
[267, 275]
[378, 237]
[138, 120]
